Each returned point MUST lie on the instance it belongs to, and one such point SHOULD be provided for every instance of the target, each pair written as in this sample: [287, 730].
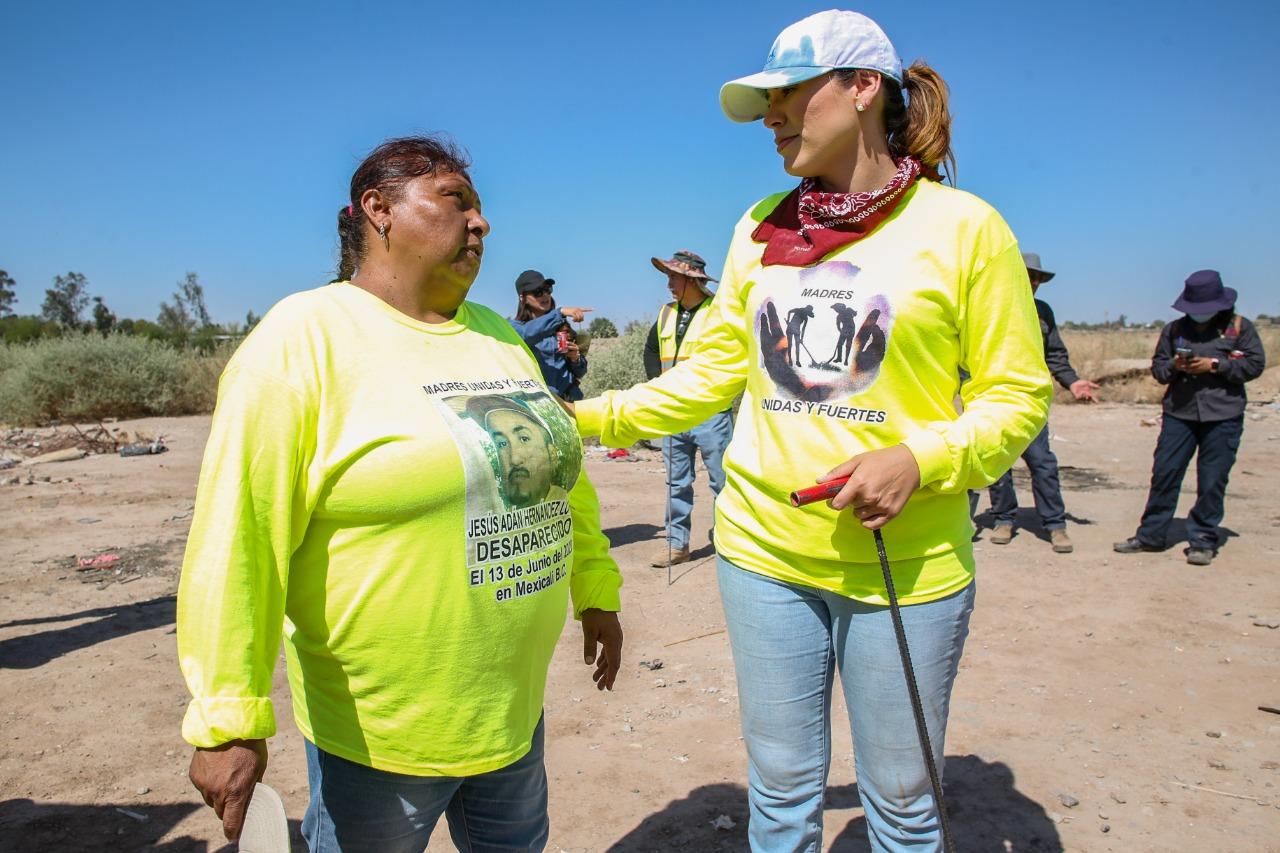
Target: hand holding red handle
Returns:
[821, 492]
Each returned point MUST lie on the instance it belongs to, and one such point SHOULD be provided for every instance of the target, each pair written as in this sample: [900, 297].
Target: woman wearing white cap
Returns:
[938, 285]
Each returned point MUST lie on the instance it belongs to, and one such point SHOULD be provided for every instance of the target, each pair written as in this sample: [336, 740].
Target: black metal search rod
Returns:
[922, 729]
[826, 491]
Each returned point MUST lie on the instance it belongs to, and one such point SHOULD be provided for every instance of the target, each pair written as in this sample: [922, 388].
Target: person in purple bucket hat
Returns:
[1204, 357]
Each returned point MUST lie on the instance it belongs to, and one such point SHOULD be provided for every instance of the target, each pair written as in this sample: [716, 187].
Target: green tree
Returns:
[192, 295]
[174, 320]
[103, 320]
[602, 327]
[64, 303]
[7, 294]
[142, 329]
[186, 314]
[21, 328]
[250, 320]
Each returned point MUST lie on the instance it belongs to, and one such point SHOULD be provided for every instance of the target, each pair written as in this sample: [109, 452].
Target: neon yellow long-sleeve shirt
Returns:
[860, 351]
[404, 502]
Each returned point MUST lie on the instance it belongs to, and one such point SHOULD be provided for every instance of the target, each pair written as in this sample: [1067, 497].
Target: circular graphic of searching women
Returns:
[828, 340]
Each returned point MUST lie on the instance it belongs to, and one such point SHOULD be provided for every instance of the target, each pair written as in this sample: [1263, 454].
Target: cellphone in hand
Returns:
[1183, 352]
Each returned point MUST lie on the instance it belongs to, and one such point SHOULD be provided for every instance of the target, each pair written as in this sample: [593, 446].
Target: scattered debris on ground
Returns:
[58, 443]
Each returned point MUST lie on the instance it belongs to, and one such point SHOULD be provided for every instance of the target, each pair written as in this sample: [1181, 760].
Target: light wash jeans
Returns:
[678, 452]
[357, 808]
[788, 641]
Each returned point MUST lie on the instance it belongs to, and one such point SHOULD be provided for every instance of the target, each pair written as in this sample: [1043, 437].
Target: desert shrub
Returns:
[616, 363]
[202, 372]
[1121, 359]
[82, 377]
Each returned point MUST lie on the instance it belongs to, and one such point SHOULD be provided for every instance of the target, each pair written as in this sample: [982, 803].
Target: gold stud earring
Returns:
[382, 232]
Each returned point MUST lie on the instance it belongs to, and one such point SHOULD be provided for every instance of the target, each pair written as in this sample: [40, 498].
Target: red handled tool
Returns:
[826, 491]
[820, 492]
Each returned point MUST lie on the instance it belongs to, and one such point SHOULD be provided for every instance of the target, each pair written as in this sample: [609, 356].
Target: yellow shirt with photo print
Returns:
[859, 352]
[403, 501]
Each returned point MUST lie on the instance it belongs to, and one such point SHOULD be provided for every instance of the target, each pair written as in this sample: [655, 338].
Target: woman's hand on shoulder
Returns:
[601, 628]
[880, 484]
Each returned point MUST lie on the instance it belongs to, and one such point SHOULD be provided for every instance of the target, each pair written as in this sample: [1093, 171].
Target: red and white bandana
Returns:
[809, 224]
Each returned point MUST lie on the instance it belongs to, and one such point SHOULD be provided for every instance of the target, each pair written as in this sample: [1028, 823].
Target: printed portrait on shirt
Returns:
[825, 339]
[521, 445]
[520, 457]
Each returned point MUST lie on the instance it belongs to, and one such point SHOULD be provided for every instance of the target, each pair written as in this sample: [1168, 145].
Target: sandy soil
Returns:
[1128, 686]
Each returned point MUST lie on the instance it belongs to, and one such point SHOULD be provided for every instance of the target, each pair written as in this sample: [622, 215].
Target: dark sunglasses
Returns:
[541, 291]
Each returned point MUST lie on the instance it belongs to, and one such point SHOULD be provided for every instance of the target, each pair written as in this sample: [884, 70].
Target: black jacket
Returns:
[1055, 351]
[1215, 396]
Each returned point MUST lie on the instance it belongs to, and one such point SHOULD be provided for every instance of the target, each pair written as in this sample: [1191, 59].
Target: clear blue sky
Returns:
[1128, 143]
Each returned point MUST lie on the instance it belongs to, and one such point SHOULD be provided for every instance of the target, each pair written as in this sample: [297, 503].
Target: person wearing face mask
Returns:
[938, 285]
[1040, 459]
[389, 486]
[1205, 358]
[674, 336]
[545, 328]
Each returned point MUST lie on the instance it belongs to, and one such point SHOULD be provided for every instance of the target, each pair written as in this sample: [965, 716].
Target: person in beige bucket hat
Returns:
[680, 325]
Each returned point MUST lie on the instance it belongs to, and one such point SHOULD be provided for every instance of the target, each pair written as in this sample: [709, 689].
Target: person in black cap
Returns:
[1040, 459]
[540, 324]
[1205, 357]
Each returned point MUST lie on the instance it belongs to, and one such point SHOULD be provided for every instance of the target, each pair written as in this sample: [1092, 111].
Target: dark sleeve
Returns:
[578, 370]
[1055, 351]
[652, 358]
[1162, 360]
[539, 328]
[1249, 367]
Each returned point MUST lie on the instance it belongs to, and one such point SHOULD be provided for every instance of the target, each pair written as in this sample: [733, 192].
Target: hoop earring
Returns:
[382, 232]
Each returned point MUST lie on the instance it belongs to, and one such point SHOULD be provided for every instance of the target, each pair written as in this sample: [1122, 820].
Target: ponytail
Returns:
[350, 241]
[919, 124]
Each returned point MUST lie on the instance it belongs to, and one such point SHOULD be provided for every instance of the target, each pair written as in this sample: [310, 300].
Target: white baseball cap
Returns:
[807, 49]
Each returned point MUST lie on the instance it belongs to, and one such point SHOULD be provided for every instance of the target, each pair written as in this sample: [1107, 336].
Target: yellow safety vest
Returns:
[668, 352]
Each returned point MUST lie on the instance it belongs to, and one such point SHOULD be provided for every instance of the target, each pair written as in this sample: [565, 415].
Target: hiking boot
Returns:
[1061, 541]
[1199, 556]
[1002, 533]
[1133, 545]
[677, 555]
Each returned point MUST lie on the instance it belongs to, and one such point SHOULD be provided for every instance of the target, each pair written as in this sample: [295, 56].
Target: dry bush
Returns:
[86, 377]
[616, 363]
[1120, 359]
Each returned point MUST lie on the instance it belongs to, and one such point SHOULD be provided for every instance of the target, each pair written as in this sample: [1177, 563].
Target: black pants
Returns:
[1217, 443]
[1044, 487]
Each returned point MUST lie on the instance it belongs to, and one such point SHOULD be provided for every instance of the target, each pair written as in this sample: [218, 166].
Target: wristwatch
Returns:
[1213, 365]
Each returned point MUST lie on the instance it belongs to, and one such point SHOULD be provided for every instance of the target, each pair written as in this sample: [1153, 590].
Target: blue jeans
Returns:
[788, 642]
[1043, 466]
[678, 453]
[1217, 443]
[357, 808]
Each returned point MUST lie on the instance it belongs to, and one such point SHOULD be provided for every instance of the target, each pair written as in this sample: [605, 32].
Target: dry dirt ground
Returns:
[1105, 703]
